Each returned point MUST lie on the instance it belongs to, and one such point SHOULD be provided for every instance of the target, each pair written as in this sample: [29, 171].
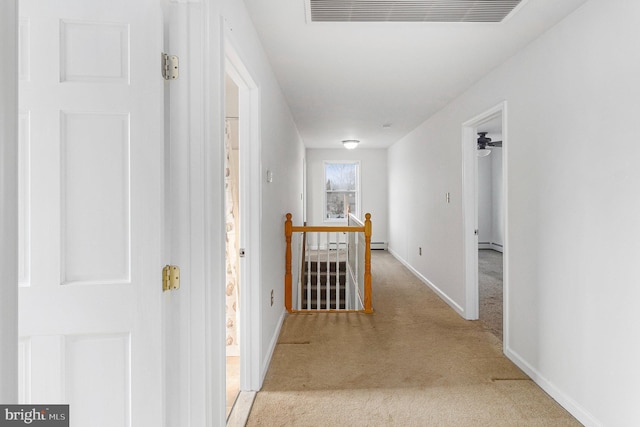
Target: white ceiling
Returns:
[347, 80]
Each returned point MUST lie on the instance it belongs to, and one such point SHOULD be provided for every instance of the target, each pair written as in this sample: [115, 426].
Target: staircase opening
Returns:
[332, 267]
[324, 268]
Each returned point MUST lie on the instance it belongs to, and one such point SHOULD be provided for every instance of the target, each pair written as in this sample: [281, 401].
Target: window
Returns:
[341, 190]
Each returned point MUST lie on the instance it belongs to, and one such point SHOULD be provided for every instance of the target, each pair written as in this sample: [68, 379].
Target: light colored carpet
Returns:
[414, 362]
[490, 290]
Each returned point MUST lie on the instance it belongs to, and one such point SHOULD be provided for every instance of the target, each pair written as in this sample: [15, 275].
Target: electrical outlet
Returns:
[272, 297]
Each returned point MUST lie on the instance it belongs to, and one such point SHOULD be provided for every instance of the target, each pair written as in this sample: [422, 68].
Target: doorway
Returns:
[485, 221]
[232, 239]
[244, 94]
[490, 225]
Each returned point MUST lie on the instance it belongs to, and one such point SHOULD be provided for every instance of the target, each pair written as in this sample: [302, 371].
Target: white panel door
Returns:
[91, 174]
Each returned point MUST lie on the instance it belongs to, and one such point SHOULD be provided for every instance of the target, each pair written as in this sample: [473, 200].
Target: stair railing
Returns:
[303, 265]
[336, 273]
[357, 257]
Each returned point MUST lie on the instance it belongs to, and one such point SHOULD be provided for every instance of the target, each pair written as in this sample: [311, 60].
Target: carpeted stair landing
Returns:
[414, 362]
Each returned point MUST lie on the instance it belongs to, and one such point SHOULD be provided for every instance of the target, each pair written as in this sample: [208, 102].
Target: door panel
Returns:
[95, 156]
[24, 148]
[91, 174]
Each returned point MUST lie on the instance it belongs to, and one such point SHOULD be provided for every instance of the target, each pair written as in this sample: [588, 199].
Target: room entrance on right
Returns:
[490, 224]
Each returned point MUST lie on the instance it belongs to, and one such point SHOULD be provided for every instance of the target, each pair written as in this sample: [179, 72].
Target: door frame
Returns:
[9, 203]
[470, 214]
[250, 190]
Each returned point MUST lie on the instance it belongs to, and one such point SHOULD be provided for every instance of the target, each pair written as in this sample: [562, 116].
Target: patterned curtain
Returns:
[231, 213]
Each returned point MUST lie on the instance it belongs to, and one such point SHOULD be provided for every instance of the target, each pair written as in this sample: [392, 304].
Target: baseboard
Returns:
[378, 246]
[492, 246]
[272, 348]
[558, 395]
[430, 284]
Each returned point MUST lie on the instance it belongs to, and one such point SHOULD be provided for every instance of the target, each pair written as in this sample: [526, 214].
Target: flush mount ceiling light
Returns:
[350, 144]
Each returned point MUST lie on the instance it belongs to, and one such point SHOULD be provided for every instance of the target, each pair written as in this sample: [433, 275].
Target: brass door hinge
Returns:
[170, 66]
[170, 277]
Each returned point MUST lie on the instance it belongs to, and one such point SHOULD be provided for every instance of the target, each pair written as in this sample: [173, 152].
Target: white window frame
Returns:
[324, 189]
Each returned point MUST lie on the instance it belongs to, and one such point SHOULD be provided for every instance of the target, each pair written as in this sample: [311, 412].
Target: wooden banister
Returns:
[304, 251]
[289, 229]
[287, 270]
[368, 307]
[327, 229]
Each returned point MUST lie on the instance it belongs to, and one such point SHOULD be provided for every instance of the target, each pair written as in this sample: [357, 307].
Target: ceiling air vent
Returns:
[410, 10]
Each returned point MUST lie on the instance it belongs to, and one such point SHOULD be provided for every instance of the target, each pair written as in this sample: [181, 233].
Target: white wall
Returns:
[497, 200]
[485, 200]
[490, 200]
[373, 185]
[573, 207]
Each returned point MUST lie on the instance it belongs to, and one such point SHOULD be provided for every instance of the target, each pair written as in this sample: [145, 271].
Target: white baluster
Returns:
[328, 275]
[318, 271]
[337, 270]
[299, 296]
[308, 258]
[347, 305]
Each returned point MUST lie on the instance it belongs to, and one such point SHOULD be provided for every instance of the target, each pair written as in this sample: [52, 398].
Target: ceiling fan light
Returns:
[483, 152]
[350, 144]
